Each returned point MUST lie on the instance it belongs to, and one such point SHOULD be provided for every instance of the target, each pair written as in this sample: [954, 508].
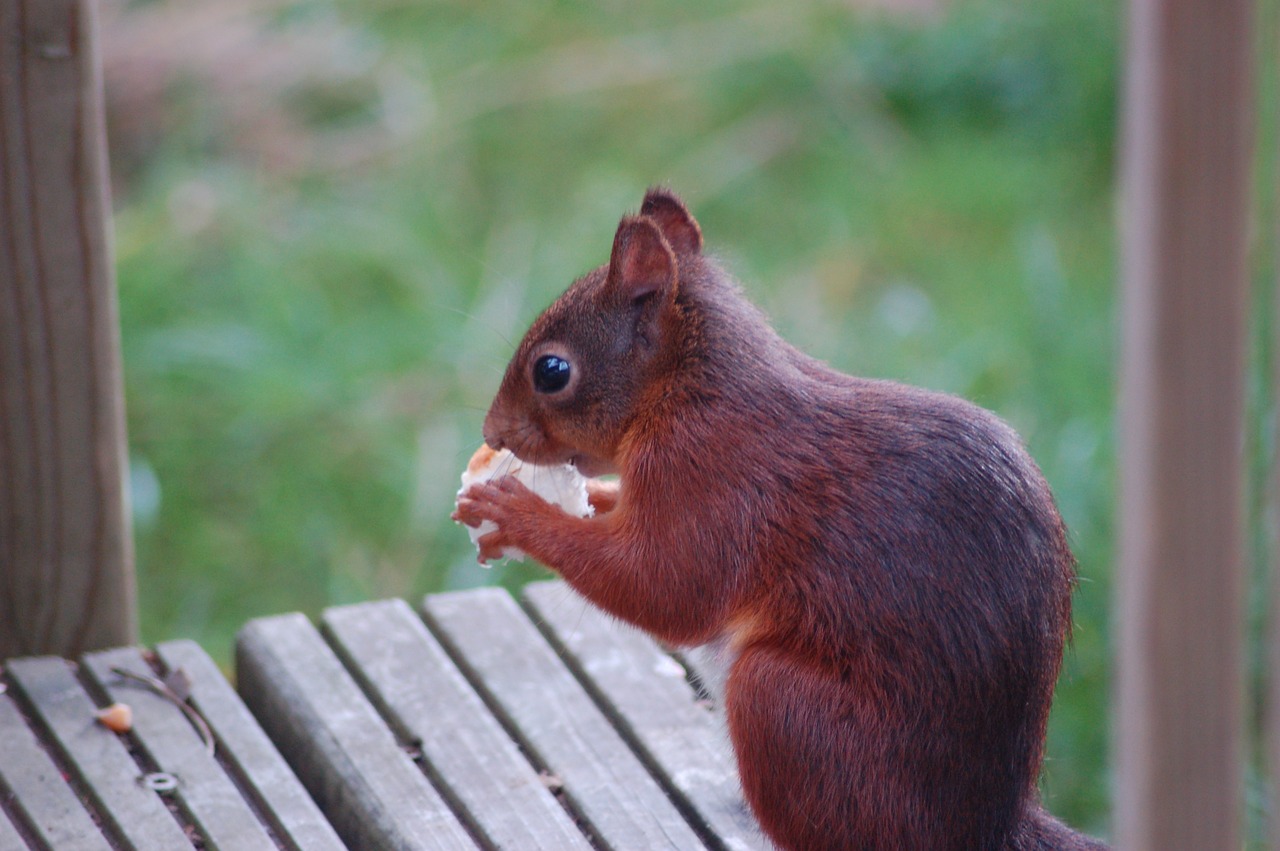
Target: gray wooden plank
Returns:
[417, 687]
[38, 792]
[645, 692]
[707, 666]
[204, 792]
[336, 741]
[506, 658]
[10, 839]
[260, 769]
[110, 777]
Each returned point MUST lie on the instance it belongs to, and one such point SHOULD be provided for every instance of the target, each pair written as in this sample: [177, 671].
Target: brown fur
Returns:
[887, 561]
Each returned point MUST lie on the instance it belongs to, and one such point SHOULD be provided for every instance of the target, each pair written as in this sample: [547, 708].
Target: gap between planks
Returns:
[527, 685]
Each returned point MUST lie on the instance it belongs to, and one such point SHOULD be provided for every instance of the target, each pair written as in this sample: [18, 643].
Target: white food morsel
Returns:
[560, 485]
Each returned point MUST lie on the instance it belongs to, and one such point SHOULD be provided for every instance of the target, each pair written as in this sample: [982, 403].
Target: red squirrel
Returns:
[886, 563]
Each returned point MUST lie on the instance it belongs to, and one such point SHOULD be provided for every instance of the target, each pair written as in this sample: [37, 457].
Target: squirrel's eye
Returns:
[550, 374]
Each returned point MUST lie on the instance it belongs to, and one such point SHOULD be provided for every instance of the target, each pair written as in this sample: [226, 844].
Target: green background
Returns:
[335, 218]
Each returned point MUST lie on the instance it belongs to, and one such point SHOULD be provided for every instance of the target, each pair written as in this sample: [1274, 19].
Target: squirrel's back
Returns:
[905, 544]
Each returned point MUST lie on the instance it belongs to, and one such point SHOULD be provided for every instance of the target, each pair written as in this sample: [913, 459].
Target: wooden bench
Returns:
[475, 721]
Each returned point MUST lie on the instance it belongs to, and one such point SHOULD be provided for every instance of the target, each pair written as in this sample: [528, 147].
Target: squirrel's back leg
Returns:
[811, 763]
[832, 762]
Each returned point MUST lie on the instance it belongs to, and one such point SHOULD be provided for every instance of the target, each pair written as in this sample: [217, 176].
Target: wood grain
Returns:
[645, 692]
[557, 722]
[424, 697]
[10, 839]
[260, 770]
[135, 815]
[204, 791]
[48, 807]
[336, 741]
[1180, 582]
[66, 558]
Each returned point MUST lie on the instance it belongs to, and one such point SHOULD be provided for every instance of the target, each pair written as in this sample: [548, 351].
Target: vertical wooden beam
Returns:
[66, 558]
[1269, 64]
[1185, 179]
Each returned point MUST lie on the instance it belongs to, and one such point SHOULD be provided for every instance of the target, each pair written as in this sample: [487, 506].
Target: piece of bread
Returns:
[560, 485]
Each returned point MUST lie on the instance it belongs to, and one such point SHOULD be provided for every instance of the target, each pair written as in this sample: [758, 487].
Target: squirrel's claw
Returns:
[469, 511]
[492, 546]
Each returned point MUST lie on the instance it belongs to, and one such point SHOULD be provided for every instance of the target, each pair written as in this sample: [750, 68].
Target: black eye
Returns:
[550, 374]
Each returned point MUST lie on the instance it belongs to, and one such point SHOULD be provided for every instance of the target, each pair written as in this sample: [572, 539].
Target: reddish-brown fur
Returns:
[886, 562]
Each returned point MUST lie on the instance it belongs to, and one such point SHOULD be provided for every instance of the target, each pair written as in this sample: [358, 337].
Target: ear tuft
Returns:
[673, 219]
[642, 263]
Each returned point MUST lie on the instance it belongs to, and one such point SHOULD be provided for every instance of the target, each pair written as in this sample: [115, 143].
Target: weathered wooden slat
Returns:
[203, 790]
[10, 839]
[336, 741]
[706, 667]
[47, 804]
[109, 776]
[501, 651]
[419, 690]
[645, 692]
[259, 767]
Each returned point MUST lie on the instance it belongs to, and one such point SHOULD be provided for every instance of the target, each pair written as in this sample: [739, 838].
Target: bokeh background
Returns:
[334, 218]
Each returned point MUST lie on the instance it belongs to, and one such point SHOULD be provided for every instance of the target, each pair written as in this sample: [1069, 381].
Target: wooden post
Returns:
[1180, 586]
[66, 557]
[1271, 714]
[1270, 64]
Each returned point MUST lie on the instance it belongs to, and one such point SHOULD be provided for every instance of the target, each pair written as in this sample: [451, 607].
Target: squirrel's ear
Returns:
[674, 220]
[642, 263]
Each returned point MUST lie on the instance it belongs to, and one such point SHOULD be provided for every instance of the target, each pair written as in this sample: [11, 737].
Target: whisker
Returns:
[483, 324]
[505, 465]
[478, 320]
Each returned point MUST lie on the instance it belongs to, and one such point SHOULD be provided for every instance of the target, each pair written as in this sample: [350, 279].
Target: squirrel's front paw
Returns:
[495, 546]
[509, 505]
[469, 510]
[500, 500]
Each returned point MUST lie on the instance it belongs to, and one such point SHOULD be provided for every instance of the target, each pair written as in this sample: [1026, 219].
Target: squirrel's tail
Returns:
[1040, 831]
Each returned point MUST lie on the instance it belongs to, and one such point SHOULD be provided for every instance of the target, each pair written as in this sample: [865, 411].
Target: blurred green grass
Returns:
[322, 271]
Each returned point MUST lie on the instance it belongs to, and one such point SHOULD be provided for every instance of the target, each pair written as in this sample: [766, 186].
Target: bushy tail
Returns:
[1040, 831]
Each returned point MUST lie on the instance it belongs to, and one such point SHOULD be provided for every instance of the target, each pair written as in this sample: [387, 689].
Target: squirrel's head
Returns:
[586, 364]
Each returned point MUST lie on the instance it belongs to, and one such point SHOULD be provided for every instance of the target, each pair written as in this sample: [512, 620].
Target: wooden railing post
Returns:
[1180, 584]
[66, 557]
